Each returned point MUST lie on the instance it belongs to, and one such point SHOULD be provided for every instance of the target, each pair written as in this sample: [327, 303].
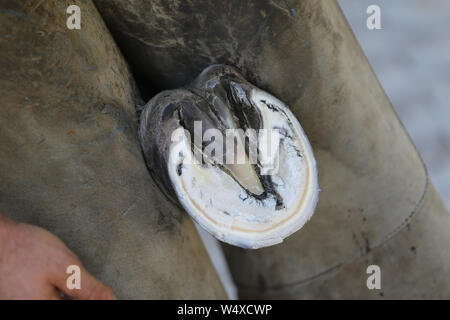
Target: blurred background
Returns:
[410, 54]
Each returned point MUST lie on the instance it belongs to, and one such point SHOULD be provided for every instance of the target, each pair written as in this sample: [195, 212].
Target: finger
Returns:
[55, 294]
[92, 289]
[89, 287]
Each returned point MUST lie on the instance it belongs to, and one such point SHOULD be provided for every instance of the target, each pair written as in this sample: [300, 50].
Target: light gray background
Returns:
[411, 57]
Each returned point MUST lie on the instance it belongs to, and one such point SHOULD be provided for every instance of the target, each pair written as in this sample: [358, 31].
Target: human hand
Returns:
[33, 264]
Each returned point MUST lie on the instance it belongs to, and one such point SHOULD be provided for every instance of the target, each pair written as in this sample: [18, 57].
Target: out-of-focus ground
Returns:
[411, 57]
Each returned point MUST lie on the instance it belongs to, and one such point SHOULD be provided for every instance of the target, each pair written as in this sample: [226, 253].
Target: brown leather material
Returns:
[70, 160]
[303, 52]
[413, 265]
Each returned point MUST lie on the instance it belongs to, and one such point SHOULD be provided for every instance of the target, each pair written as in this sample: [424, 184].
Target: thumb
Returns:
[89, 289]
